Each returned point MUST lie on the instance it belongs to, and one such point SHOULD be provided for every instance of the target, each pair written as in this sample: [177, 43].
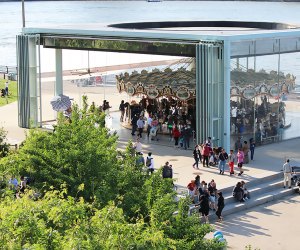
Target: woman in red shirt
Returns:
[176, 135]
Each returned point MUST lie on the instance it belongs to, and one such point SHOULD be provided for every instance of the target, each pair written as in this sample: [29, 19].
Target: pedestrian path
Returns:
[268, 159]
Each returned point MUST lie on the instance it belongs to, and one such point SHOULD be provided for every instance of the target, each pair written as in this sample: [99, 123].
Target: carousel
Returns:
[258, 110]
[167, 93]
[257, 98]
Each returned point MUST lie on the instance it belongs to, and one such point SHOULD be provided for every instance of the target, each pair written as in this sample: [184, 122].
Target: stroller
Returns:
[296, 177]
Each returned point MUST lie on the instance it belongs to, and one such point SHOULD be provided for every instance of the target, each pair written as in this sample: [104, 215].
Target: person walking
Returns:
[205, 154]
[252, 148]
[240, 160]
[122, 109]
[140, 125]
[223, 156]
[150, 163]
[6, 88]
[149, 121]
[134, 120]
[197, 156]
[231, 159]
[186, 137]
[204, 206]
[287, 174]
[154, 129]
[176, 135]
[220, 206]
[246, 152]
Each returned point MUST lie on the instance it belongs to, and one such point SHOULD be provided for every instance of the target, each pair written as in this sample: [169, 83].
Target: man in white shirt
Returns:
[149, 121]
[140, 124]
[138, 146]
[287, 173]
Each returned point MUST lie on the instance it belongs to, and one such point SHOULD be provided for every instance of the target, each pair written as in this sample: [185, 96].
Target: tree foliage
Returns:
[4, 147]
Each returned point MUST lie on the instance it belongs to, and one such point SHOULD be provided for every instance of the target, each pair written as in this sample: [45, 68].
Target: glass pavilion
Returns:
[245, 73]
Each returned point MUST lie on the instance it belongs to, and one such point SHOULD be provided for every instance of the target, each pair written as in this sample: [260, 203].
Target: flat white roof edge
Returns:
[164, 35]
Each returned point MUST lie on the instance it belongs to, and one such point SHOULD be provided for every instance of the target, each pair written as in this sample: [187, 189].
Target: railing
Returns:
[11, 71]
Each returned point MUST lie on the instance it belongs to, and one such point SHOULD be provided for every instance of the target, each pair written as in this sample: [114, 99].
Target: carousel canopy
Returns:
[179, 80]
[176, 80]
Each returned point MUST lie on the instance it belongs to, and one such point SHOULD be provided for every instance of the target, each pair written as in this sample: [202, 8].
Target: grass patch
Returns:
[12, 90]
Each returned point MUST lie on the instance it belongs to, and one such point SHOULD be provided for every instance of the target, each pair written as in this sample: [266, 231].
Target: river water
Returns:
[56, 14]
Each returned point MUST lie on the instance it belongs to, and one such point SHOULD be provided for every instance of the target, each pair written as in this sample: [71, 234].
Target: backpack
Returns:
[148, 161]
[167, 172]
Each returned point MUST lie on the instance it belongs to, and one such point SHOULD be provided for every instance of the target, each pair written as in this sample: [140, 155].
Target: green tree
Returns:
[78, 152]
[57, 221]
[107, 201]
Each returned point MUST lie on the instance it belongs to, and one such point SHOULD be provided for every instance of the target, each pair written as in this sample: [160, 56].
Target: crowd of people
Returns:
[172, 117]
[206, 197]
[208, 156]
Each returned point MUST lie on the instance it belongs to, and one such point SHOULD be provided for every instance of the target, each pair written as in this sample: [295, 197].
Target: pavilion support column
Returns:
[59, 72]
[203, 121]
[227, 69]
[210, 97]
[27, 81]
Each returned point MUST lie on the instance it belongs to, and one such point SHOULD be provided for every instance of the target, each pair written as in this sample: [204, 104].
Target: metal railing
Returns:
[9, 71]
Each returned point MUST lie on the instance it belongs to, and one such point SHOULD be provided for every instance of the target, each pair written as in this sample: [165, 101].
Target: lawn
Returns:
[12, 90]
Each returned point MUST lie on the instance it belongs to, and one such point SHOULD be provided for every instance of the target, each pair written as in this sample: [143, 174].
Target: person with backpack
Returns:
[150, 163]
[167, 171]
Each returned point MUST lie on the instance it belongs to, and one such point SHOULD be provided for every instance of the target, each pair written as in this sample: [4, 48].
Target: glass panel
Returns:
[144, 47]
[257, 109]
[161, 86]
[290, 95]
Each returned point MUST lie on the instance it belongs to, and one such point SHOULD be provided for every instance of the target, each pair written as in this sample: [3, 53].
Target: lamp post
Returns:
[23, 13]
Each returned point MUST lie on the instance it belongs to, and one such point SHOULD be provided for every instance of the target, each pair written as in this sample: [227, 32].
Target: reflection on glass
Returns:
[259, 100]
[144, 47]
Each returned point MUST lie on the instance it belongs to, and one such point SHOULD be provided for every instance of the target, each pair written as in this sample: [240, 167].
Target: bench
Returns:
[268, 139]
[295, 169]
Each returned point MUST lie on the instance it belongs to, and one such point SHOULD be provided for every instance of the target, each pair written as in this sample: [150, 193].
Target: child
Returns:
[231, 159]
[211, 161]
[181, 142]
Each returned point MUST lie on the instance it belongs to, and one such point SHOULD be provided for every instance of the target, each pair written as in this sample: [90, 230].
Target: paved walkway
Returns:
[268, 159]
